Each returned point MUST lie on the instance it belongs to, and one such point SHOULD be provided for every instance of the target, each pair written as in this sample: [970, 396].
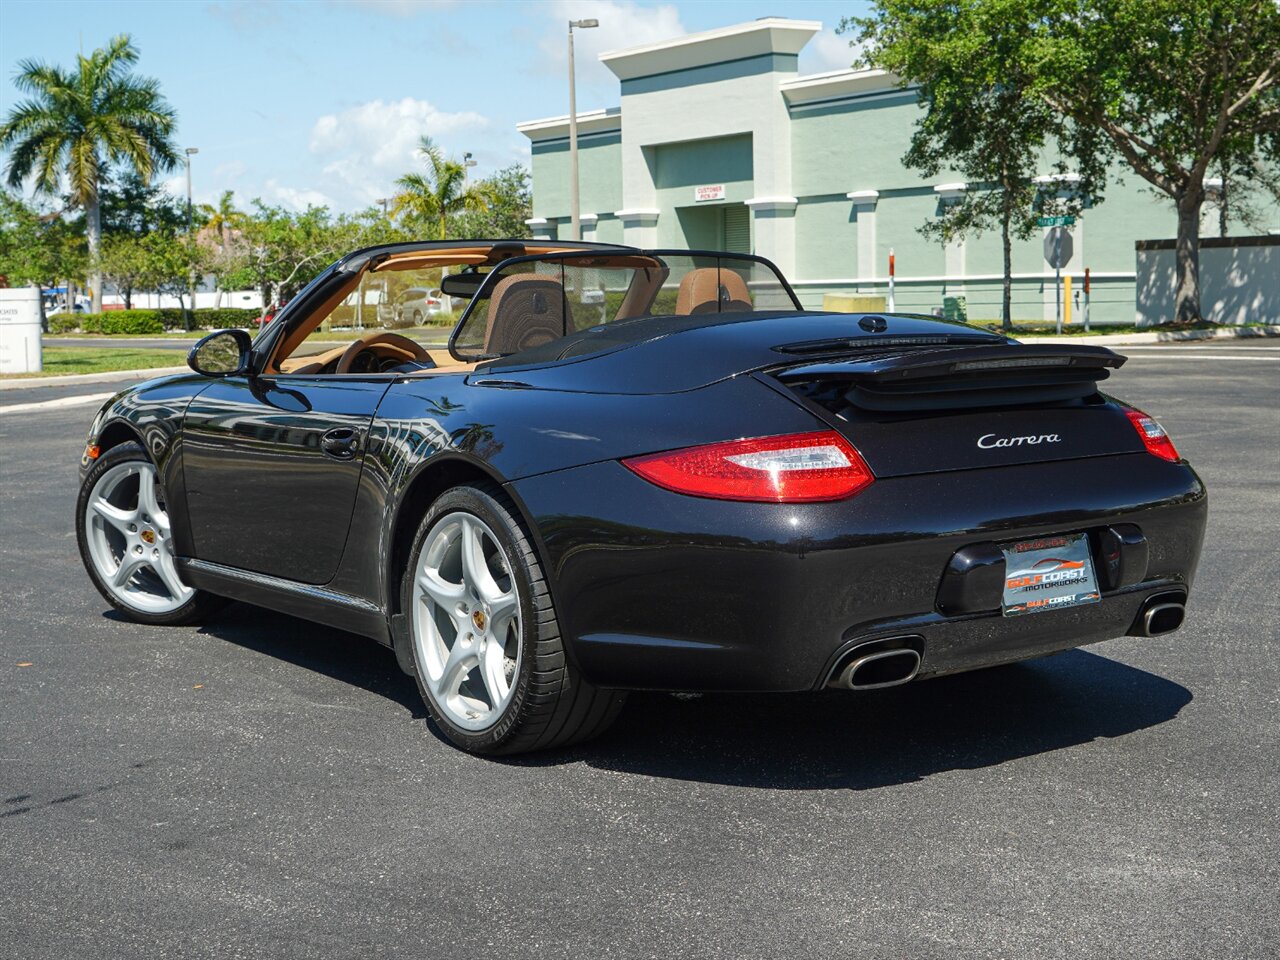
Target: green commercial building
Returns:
[718, 142]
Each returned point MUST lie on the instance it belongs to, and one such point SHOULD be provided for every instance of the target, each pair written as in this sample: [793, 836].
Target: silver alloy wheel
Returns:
[466, 621]
[130, 540]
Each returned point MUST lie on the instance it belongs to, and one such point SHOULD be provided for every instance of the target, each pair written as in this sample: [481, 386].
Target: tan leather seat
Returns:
[710, 290]
[526, 310]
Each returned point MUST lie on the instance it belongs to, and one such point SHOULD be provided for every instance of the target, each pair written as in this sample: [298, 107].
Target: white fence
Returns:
[1239, 280]
[245, 299]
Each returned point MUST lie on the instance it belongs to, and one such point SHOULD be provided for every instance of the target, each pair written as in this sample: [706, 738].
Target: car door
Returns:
[271, 466]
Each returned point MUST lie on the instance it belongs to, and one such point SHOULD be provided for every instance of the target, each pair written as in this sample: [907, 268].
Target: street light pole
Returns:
[467, 164]
[575, 225]
[191, 151]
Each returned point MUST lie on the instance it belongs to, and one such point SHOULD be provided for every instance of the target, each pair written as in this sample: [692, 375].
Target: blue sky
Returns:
[322, 101]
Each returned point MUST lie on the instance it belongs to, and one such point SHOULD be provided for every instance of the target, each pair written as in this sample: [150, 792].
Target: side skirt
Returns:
[305, 600]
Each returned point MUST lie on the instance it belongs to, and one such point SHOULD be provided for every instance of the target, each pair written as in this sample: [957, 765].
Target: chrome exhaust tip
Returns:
[1163, 618]
[1160, 614]
[875, 666]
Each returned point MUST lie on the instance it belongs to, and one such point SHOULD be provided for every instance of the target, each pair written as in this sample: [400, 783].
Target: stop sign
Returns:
[1058, 247]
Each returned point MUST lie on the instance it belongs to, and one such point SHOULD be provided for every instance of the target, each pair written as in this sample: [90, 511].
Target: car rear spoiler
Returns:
[958, 377]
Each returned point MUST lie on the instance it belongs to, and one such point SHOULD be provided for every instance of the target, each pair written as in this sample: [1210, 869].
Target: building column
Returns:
[1211, 209]
[773, 231]
[639, 228]
[864, 212]
[587, 225]
[541, 228]
[953, 250]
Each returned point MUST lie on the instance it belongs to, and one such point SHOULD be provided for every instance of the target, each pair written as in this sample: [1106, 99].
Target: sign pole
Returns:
[1057, 294]
[1086, 299]
[891, 302]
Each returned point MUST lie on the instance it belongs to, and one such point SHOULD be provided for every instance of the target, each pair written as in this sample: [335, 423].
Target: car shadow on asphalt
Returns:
[346, 657]
[841, 740]
[829, 740]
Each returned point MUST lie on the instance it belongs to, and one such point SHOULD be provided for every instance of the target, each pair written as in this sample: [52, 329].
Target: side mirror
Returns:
[223, 353]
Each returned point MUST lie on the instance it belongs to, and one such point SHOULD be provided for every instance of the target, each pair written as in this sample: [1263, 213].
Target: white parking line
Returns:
[55, 404]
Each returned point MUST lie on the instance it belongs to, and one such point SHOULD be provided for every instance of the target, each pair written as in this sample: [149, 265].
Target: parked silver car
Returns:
[410, 307]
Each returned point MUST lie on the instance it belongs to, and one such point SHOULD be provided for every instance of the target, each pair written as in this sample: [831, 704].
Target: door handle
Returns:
[341, 443]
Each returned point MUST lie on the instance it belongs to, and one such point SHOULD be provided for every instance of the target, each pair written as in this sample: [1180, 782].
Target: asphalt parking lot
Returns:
[264, 787]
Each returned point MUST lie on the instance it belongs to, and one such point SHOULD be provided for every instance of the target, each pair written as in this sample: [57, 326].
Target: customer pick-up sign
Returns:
[710, 191]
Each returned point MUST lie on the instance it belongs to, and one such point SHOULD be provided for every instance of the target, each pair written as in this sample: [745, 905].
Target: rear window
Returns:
[530, 302]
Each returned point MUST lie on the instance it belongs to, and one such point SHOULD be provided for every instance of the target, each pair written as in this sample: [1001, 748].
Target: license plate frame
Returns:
[1048, 573]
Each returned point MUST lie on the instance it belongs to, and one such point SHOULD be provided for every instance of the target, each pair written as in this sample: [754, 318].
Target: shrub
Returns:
[128, 322]
[64, 323]
[214, 318]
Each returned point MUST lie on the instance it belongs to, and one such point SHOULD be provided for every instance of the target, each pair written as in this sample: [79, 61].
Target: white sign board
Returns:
[712, 191]
[20, 346]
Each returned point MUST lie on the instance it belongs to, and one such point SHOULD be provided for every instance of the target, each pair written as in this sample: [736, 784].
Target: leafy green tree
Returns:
[168, 265]
[131, 205]
[126, 262]
[1176, 89]
[35, 247]
[509, 196]
[429, 199]
[284, 250]
[74, 123]
[980, 116]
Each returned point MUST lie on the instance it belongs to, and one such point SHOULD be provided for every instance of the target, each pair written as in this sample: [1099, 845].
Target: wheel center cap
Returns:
[479, 619]
[148, 537]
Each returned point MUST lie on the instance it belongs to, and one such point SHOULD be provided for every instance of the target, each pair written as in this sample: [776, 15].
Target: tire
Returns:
[417, 318]
[521, 693]
[112, 501]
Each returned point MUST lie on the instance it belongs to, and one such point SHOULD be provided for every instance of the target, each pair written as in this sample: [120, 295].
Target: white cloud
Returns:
[395, 8]
[231, 170]
[623, 23]
[365, 148]
[294, 198]
[828, 51]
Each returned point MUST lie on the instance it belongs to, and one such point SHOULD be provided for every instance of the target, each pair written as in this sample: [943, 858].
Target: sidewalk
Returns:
[28, 383]
[1162, 336]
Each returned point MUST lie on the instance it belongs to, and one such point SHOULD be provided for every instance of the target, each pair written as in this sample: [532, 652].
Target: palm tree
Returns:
[228, 223]
[74, 123]
[224, 218]
[438, 193]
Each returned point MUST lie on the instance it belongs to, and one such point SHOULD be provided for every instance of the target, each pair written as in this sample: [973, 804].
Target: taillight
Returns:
[1153, 436]
[796, 468]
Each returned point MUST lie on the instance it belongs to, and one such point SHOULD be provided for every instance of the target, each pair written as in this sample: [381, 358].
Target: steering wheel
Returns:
[392, 343]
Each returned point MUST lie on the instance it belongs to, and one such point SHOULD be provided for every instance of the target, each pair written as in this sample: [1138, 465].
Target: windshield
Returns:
[531, 301]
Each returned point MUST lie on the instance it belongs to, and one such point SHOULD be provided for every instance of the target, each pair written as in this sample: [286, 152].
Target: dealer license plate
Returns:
[1048, 574]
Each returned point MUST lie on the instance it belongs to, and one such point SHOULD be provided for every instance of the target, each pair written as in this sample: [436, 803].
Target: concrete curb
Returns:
[1164, 336]
[29, 383]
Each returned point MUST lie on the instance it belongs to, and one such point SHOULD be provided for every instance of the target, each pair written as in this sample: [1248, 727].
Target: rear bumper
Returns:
[661, 591]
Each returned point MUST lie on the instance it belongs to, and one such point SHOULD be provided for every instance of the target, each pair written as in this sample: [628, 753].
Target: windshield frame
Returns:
[496, 274]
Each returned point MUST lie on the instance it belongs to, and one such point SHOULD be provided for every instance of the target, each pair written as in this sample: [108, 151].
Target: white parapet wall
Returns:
[1239, 280]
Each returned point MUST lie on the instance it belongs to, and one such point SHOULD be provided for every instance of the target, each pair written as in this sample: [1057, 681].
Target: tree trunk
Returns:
[1006, 311]
[128, 296]
[93, 228]
[1187, 258]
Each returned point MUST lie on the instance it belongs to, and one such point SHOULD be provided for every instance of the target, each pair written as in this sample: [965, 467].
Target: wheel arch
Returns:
[433, 478]
[117, 432]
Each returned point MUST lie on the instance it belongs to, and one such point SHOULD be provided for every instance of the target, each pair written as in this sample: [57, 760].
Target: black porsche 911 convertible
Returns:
[638, 469]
